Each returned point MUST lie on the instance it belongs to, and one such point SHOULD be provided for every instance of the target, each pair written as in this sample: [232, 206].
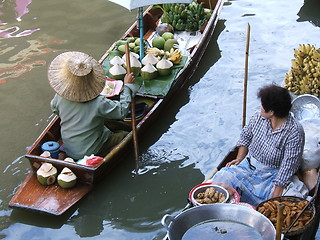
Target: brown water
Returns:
[189, 139]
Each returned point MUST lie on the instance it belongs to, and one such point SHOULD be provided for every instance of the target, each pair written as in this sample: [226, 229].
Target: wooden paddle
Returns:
[244, 106]
[133, 117]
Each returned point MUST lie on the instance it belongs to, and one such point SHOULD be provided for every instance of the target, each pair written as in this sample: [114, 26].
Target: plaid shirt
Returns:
[281, 148]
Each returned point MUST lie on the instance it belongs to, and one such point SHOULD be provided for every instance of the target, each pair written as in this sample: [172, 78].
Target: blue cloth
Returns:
[252, 179]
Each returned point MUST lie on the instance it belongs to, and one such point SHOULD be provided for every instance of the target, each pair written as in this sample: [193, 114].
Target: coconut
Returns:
[131, 54]
[117, 72]
[47, 174]
[69, 159]
[170, 43]
[149, 72]
[164, 27]
[164, 67]
[167, 35]
[135, 65]
[116, 60]
[158, 42]
[45, 154]
[67, 179]
[149, 58]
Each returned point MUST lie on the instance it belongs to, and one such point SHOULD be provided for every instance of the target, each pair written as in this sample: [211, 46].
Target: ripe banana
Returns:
[174, 56]
[303, 76]
[155, 51]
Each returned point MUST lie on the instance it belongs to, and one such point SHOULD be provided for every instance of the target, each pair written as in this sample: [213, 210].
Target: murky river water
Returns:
[190, 139]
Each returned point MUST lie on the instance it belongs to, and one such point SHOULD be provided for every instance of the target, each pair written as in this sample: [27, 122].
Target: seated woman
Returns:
[78, 80]
[270, 150]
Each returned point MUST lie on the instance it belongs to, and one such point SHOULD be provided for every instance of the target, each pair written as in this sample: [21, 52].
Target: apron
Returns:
[252, 179]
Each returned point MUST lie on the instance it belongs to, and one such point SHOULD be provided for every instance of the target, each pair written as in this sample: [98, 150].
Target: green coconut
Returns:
[131, 54]
[158, 42]
[69, 159]
[135, 65]
[67, 179]
[117, 72]
[170, 43]
[149, 58]
[149, 72]
[116, 60]
[47, 174]
[167, 35]
[164, 67]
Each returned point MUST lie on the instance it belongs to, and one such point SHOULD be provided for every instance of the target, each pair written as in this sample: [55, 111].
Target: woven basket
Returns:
[291, 199]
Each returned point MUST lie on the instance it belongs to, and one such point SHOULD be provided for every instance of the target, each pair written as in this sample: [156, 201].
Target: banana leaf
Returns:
[159, 86]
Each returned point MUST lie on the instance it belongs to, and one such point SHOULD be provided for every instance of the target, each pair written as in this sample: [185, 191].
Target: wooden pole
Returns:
[244, 110]
[133, 117]
[279, 221]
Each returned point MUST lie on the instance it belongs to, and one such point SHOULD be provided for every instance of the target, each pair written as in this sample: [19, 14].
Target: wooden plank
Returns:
[51, 199]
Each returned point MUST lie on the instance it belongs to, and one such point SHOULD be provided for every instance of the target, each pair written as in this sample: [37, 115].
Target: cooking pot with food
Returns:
[219, 221]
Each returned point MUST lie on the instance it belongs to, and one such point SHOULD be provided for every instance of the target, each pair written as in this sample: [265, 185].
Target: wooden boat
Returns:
[307, 234]
[54, 200]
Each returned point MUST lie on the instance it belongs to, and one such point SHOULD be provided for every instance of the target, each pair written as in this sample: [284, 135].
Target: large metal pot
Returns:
[223, 212]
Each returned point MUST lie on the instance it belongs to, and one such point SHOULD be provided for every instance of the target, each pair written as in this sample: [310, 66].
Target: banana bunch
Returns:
[174, 56]
[304, 75]
[155, 52]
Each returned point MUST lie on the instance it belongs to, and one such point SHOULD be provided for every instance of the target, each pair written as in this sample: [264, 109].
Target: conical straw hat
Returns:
[76, 76]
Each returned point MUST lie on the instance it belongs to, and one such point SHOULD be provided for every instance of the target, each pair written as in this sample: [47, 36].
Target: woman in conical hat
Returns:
[78, 79]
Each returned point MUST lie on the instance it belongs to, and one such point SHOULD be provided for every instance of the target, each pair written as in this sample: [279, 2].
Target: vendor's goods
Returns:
[304, 74]
[174, 56]
[164, 67]
[158, 42]
[135, 65]
[67, 179]
[117, 72]
[292, 207]
[47, 174]
[170, 43]
[116, 60]
[149, 72]
[149, 58]
[186, 17]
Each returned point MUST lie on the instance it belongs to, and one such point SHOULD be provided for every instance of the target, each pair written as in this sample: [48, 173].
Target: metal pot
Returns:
[229, 213]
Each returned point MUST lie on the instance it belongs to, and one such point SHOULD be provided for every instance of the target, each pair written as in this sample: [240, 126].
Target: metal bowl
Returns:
[230, 214]
[202, 188]
[306, 106]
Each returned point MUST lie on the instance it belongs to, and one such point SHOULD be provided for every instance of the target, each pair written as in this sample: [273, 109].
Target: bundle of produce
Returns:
[186, 17]
[303, 77]
[133, 42]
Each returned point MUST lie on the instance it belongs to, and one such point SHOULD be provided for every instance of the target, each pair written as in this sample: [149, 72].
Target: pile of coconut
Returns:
[152, 66]
[47, 175]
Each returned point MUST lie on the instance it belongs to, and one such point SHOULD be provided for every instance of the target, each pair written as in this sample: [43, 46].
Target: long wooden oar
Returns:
[133, 117]
[244, 106]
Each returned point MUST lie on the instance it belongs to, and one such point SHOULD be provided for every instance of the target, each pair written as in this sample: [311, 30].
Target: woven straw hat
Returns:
[76, 76]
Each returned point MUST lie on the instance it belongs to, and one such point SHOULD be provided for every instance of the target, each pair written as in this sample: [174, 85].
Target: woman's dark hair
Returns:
[277, 99]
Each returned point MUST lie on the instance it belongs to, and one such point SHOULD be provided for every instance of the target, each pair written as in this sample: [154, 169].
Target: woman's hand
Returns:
[277, 192]
[129, 78]
[234, 162]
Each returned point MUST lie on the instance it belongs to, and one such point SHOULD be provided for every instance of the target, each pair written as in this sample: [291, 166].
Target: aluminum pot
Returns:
[229, 213]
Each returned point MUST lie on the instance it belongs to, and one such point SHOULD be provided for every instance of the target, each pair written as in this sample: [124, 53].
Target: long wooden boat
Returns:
[309, 233]
[54, 200]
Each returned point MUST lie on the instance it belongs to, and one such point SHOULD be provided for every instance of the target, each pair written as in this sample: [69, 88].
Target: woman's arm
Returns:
[277, 192]
[242, 153]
